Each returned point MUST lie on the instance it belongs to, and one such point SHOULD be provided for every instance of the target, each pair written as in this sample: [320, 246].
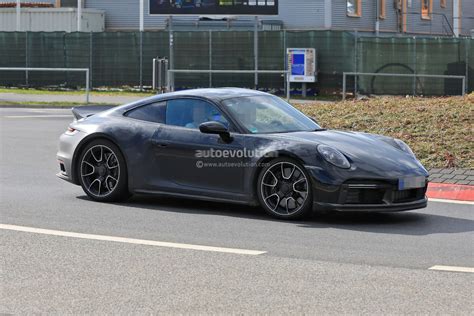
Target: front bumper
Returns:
[398, 207]
[372, 195]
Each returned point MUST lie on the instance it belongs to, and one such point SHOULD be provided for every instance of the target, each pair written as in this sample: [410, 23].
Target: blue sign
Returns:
[297, 66]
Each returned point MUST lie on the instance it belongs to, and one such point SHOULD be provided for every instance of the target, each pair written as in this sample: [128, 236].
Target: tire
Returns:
[102, 172]
[284, 189]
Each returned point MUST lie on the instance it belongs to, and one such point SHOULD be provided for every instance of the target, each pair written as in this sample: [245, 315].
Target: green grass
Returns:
[123, 92]
[77, 92]
[439, 130]
[52, 104]
[320, 97]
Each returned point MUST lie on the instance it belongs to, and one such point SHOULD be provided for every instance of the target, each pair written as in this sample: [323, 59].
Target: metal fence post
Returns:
[161, 64]
[87, 86]
[463, 86]
[356, 59]
[168, 80]
[153, 79]
[166, 73]
[255, 51]
[26, 60]
[414, 66]
[288, 95]
[90, 59]
[171, 53]
[344, 86]
[210, 58]
[141, 60]
[467, 48]
[287, 83]
[65, 56]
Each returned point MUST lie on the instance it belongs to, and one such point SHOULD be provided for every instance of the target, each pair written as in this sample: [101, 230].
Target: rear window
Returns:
[155, 112]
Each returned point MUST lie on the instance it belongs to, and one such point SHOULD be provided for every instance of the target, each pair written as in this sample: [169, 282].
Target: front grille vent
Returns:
[365, 196]
[408, 195]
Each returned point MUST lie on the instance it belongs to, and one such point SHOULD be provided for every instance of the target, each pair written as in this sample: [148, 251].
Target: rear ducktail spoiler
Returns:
[81, 112]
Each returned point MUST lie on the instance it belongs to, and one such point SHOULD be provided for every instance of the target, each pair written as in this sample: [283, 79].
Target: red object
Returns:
[450, 191]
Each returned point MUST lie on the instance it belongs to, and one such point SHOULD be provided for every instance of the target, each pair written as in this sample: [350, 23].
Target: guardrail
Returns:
[26, 69]
[414, 76]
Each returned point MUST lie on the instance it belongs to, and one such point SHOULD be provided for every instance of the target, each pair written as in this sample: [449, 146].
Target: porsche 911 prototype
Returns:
[241, 146]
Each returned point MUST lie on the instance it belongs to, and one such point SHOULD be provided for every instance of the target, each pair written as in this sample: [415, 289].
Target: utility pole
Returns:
[79, 15]
[18, 16]
[142, 21]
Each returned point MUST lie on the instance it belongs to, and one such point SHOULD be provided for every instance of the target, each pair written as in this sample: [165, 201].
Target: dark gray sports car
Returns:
[241, 146]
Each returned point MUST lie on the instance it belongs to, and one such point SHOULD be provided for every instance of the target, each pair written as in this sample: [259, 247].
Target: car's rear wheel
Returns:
[284, 189]
[103, 172]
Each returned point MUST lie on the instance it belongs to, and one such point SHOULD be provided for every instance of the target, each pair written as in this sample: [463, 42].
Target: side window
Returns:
[155, 112]
[191, 113]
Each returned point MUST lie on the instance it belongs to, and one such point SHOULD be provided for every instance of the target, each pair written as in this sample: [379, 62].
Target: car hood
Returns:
[364, 151]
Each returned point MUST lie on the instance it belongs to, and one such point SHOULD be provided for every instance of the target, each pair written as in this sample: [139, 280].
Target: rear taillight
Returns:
[71, 131]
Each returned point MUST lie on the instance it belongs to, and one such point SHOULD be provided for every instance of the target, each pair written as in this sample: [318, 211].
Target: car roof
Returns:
[215, 94]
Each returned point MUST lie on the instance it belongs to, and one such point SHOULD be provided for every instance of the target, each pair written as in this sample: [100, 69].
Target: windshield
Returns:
[268, 114]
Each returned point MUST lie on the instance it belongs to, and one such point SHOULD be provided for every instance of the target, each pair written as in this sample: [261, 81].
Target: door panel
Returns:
[184, 161]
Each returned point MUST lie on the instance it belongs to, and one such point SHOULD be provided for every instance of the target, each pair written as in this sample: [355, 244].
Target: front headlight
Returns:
[401, 144]
[334, 156]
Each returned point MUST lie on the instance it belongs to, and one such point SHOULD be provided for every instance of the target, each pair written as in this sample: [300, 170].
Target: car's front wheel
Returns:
[284, 189]
[103, 172]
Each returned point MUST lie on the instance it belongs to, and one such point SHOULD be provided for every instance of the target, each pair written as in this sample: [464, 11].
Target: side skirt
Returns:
[199, 197]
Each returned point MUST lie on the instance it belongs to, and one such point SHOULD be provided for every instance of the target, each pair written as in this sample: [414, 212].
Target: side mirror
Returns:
[214, 127]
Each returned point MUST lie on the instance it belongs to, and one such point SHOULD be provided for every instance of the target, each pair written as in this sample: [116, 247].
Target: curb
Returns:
[452, 176]
[446, 191]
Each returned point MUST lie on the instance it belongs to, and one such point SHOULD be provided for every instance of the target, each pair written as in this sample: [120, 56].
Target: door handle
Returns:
[158, 143]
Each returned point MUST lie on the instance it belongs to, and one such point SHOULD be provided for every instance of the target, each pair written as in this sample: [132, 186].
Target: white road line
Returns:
[45, 110]
[451, 201]
[130, 240]
[452, 269]
[35, 116]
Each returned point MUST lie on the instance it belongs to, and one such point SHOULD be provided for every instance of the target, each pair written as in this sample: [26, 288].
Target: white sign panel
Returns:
[302, 64]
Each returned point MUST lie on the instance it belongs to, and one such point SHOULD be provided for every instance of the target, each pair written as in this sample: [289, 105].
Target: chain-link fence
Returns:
[427, 56]
[118, 59]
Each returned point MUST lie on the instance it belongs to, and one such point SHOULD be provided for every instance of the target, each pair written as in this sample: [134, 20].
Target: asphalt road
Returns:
[338, 263]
